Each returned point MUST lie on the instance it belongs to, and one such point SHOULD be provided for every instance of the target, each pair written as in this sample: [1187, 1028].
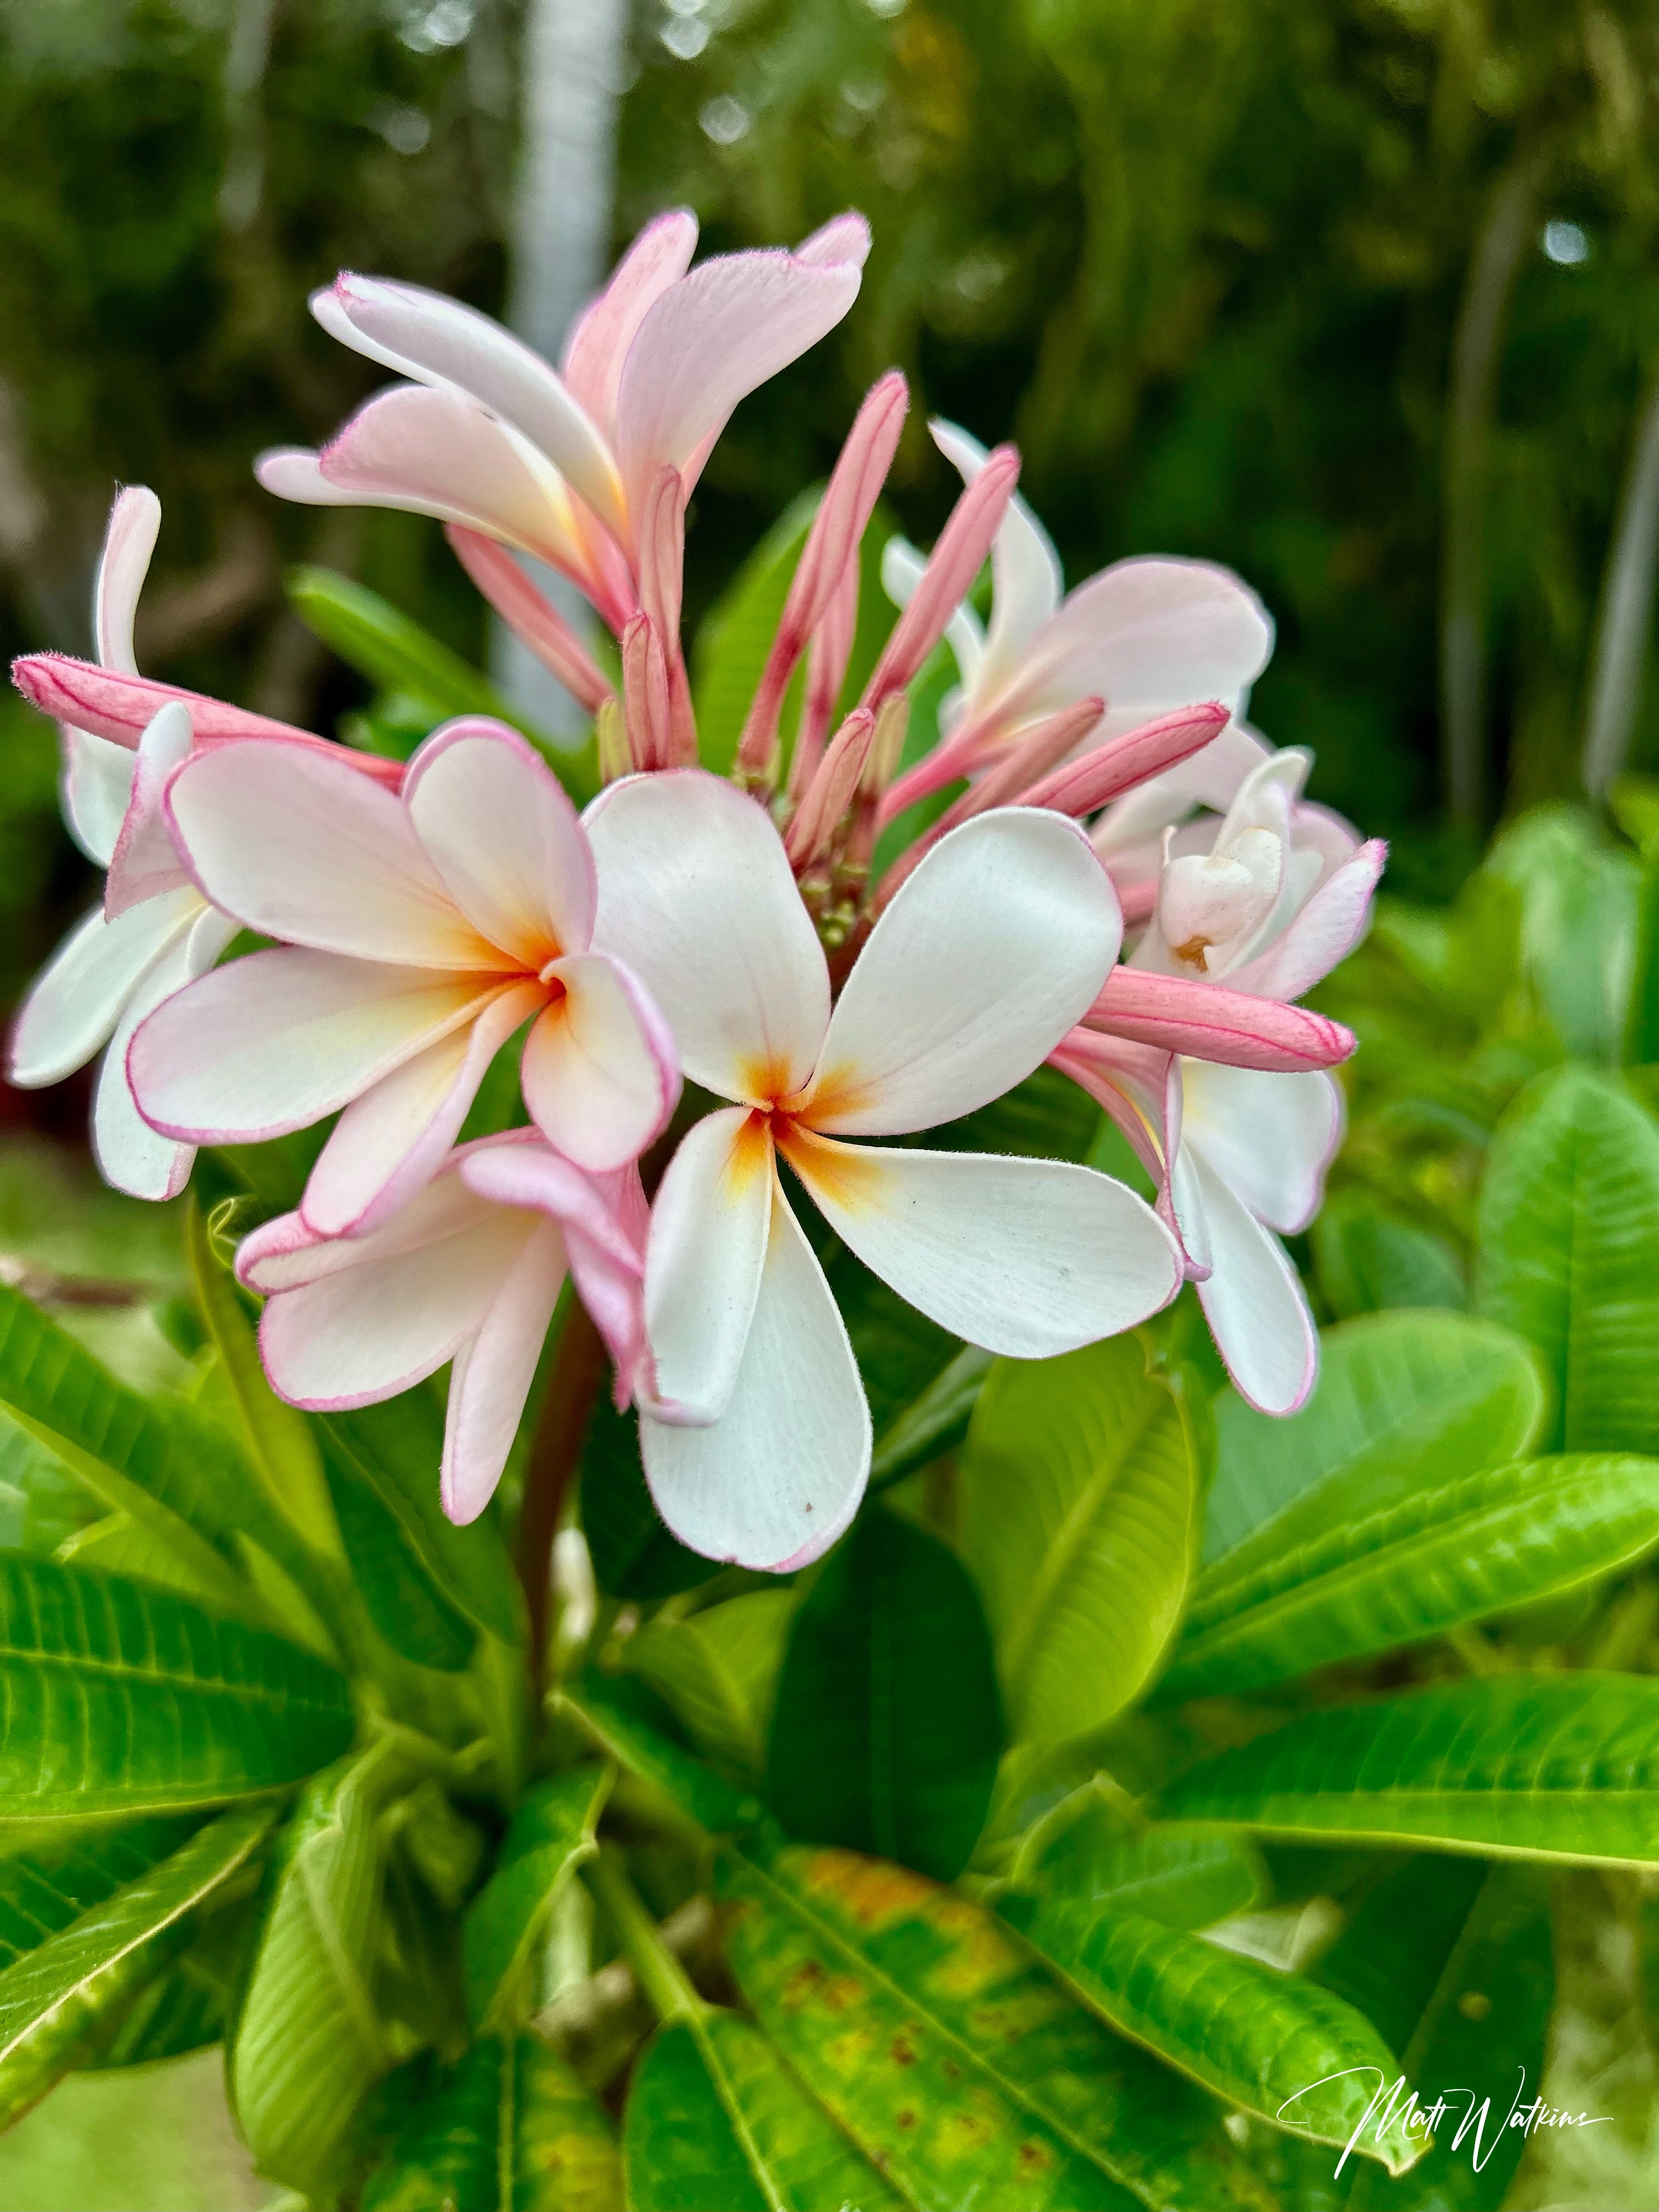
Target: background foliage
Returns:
[1208, 265]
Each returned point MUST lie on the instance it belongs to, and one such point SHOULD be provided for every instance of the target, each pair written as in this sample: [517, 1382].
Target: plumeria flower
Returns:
[467, 1270]
[103, 707]
[418, 931]
[565, 465]
[756, 1443]
[1260, 905]
[1142, 636]
[154, 931]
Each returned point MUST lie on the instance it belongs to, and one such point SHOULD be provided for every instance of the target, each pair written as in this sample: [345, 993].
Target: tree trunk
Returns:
[1626, 610]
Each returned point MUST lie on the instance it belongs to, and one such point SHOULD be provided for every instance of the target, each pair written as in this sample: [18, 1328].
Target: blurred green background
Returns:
[1356, 295]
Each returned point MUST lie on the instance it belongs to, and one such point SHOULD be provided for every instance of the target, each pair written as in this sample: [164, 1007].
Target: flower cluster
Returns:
[1090, 769]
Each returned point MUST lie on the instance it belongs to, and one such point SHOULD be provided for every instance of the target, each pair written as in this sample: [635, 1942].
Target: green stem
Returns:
[658, 1972]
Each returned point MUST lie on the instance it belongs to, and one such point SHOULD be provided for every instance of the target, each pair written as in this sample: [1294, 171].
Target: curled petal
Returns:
[494, 1370]
[600, 1072]
[774, 1482]
[95, 789]
[75, 1003]
[697, 897]
[131, 1155]
[1271, 1137]
[145, 863]
[135, 523]
[707, 1241]
[1027, 1258]
[1252, 1296]
[598, 346]
[995, 946]
[1325, 931]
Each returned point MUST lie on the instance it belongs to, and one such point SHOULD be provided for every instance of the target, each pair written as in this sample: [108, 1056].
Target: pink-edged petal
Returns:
[1325, 931]
[1024, 567]
[697, 898]
[1132, 1083]
[1271, 1137]
[707, 342]
[383, 1321]
[396, 1136]
[434, 337]
[282, 1254]
[844, 238]
[495, 822]
[1211, 1021]
[988, 954]
[135, 523]
[600, 1076]
[303, 849]
[1028, 1258]
[775, 1481]
[1253, 1300]
[75, 1003]
[493, 1373]
[703, 1268]
[274, 1042]
[426, 451]
[597, 347]
[145, 863]
[95, 789]
[132, 1157]
[530, 615]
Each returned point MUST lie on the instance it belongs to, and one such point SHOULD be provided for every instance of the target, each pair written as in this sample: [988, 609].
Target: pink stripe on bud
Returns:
[106, 702]
[529, 615]
[662, 576]
[1082, 785]
[1207, 1021]
[831, 549]
[827, 656]
[832, 789]
[945, 582]
[645, 695]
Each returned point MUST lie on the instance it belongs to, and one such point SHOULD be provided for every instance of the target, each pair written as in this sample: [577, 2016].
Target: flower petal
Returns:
[282, 1254]
[1024, 1257]
[1252, 1299]
[361, 1331]
[697, 897]
[1325, 931]
[495, 824]
[94, 790]
[703, 1268]
[775, 1481]
[1000, 941]
[597, 347]
[74, 1003]
[493, 1372]
[396, 1135]
[599, 1073]
[135, 523]
[1024, 567]
[1270, 1137]
[145, 863]
[436, 337]
[132, 1157]
[710, 339]
[274, 1042]
[303, 849]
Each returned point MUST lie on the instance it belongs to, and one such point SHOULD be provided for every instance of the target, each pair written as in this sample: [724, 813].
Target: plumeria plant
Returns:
[878, 1052]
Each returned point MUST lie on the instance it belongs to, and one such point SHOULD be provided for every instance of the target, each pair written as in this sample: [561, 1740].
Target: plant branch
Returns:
[1626, 610]
[575, 1382]
[659, 1974]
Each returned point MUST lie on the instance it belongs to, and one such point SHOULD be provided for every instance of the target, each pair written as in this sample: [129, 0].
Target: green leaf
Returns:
[1505, 1537]
[307, 2041]
[551, 1834]
[394, 1450]
[1080, 1498]
[1546, 1767]
[1181, 1877]
[118, 1544]
[932, 1423]
[717, 1670]
[715, 2118]
[382, 643]
[114, 1912]
[399, 1592]
[632, 1553]
[1442, 1955]
[956, 2064]
[886, 1728]
[618, 1715]
[1263, 2042]
[280, 1443]
[121, 1696]
[185, 2008]
[1369, 1259]
[1568, 1252]
[1580, 898]
[1404, 1401]
[506, 2128]
[169, 1469]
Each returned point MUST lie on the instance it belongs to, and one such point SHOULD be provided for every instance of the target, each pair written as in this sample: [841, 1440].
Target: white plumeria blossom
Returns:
[1265, 901]
[756, 1445]
[155, 932]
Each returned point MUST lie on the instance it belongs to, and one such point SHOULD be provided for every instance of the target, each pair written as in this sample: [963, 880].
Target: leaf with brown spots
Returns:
[962, 2069]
